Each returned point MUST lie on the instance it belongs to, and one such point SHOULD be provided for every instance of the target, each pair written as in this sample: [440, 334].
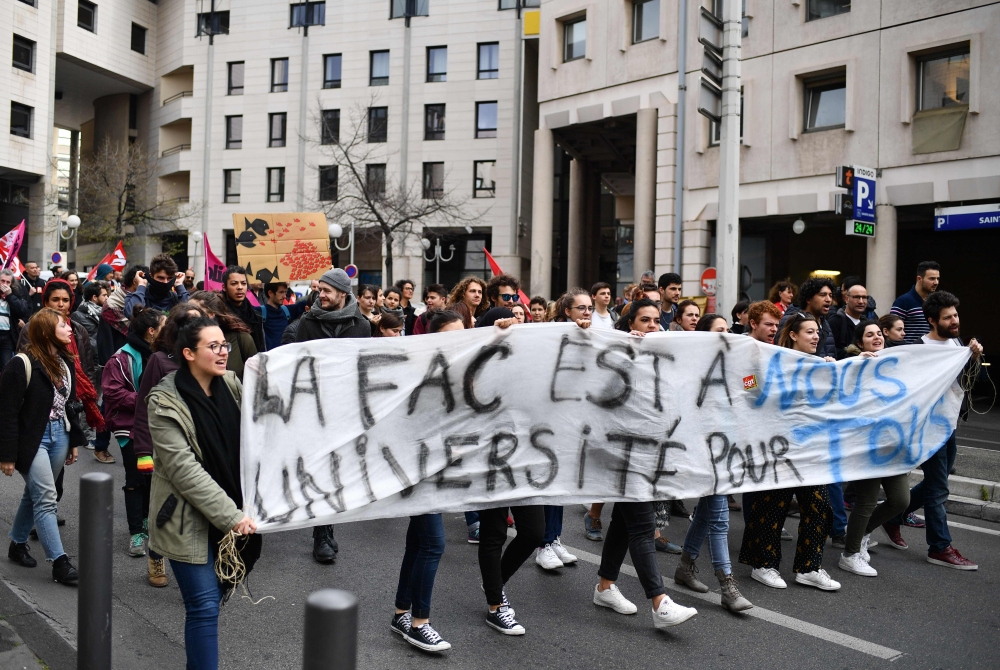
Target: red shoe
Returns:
[950, 558]
[896, 540]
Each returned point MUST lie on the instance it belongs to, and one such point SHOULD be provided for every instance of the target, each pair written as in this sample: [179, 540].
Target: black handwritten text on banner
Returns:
[344, 430]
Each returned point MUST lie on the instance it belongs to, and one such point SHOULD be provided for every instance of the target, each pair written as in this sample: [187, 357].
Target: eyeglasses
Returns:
[510, 297]
[218, 347]
[584, 308]
[858, 297]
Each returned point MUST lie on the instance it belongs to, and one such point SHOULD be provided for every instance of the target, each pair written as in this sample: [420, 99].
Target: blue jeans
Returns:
[711, 520]
[553, 523]
[202, 594]
[836, 491]
[472, 519]
[932, 494]
[38, 504]
[424, 547]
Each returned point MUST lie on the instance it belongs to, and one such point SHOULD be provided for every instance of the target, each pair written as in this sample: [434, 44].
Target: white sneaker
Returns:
[670, 614]
[614, 599]
[871, 543]
[562, 553]
[547, 559]
[769, 577]
[818, 578]
[865, 543]
[857, 564]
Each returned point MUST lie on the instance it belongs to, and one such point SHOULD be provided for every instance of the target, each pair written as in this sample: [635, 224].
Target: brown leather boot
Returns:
[157, 572]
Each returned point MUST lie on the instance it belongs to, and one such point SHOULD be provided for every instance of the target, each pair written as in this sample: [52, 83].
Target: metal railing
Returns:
[177, 96]
[176, 150]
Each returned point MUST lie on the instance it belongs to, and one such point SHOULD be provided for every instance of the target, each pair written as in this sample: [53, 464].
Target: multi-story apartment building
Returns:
[239, 103]
[901, 86]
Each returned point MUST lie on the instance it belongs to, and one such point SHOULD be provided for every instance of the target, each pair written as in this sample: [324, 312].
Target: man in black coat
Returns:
[855, 310]
[31, 285]
[335, 314]
[815, 297]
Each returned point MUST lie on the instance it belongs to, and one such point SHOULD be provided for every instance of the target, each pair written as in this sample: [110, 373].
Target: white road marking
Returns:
[965, 526]
[857, 644]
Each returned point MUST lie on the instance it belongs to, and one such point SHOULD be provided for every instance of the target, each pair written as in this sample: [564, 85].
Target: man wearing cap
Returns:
[335, 314]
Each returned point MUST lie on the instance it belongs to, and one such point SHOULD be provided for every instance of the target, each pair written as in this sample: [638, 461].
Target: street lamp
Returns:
[336, 230]
[72, 223]
[438, 256]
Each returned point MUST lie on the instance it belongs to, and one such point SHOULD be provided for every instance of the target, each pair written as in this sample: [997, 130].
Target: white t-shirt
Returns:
[853, 320]
[598, 321]
[953, 341]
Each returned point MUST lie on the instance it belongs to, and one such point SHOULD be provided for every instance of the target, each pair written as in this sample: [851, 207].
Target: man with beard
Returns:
[335, 314]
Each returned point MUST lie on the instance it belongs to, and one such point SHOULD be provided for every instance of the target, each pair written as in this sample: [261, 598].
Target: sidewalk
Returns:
[14, 653]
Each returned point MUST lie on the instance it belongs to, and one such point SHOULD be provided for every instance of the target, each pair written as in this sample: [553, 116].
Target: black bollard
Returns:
[331, 639]
[94, 607]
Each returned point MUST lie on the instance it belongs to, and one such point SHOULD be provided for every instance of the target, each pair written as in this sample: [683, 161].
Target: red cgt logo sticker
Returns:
[750, 382]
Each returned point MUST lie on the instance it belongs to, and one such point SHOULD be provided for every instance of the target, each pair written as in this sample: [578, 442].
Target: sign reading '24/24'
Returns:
[971, 217]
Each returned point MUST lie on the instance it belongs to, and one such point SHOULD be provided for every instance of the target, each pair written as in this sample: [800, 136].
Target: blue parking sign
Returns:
[864, 194]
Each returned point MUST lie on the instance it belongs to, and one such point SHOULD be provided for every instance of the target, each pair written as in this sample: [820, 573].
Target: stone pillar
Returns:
[541, 214]
[645, 190]
[575, 238]
[880, 277]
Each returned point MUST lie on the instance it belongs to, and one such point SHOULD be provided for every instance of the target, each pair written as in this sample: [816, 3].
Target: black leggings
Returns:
[497, 569]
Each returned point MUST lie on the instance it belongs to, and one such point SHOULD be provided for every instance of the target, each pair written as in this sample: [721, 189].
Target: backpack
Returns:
[27, 368]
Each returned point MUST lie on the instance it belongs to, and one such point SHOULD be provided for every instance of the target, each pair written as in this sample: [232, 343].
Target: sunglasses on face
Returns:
[510, 297]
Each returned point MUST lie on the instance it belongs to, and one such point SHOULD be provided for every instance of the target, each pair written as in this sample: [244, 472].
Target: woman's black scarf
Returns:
[217, 426]
[142, 346]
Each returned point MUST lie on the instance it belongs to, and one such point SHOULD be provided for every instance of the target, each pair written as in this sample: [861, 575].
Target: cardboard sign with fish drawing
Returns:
[283, 247]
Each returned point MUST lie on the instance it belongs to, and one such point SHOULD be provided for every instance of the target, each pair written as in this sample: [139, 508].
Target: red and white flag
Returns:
[10, 245]
[16, 267]
[115, 259]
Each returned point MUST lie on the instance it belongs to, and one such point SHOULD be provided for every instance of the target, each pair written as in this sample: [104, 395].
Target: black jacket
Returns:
[251, 317]
[347, 322]
[20, 310]
[22, 287]
[843, 329]
[827, 345]
[24, 412]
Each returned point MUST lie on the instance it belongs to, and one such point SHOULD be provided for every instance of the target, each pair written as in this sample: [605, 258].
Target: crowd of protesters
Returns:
[143, 365]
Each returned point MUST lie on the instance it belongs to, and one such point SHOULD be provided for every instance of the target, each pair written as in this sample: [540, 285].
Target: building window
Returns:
[331, 71]
[307, 14]
[138, 39]
[716, 129]
[483, 185]
[486, 119]
[86, 15]
[24, 53]
[213, 23]
[30, 3]
[276, 184]
[378, 124]
[433, 181]
[234, 132]
[20, 119]
[489, 61]
[327, 182]
[820, 9]
[574, 39]
[279, 75]
[232, 186]
[277, 124]
[330, 132]
[379, 75]
[512, 4]
[236, 78]
[825, 103]
[943, 79]
[399, 9]
[375, 179]
[437, 64]
[645, 20]
[433, 122]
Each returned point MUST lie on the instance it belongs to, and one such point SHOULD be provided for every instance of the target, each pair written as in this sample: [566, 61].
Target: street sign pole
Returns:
[727, 229]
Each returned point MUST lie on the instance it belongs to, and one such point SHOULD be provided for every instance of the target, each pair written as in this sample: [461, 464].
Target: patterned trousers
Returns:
[761, 547]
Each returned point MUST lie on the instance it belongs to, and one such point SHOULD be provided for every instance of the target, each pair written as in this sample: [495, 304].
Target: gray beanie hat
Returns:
[338, 279]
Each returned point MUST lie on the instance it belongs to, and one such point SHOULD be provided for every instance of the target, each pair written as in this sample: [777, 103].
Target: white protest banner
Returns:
[344, 430]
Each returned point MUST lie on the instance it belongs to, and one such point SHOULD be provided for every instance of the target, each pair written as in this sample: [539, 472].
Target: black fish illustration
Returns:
[256, 228]
[265, 276]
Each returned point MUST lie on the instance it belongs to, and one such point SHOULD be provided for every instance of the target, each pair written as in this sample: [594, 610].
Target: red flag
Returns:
[116, 259]
[215, 269]
[10, 245]
[16, 267]
[497, 271]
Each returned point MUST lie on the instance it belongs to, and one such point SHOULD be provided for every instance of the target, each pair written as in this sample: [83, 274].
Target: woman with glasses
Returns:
[868, 514]
[197, 496]
[237, 333]
[761, 548]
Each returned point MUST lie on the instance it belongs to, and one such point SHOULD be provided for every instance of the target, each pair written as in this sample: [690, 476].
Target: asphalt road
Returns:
[920, 615]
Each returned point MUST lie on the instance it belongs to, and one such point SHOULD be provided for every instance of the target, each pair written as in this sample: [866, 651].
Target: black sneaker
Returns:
[503, 620]
[64, 572]
[839, 541]
[503, 599]
[678, 509]
[426, 638]
[19, 554]
[400, 623]
[324, 546]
